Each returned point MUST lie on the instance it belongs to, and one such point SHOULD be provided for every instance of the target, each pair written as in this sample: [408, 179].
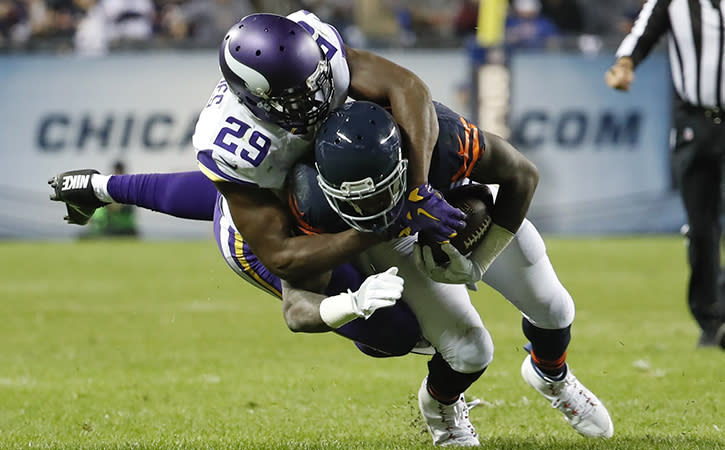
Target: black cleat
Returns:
[75, 190]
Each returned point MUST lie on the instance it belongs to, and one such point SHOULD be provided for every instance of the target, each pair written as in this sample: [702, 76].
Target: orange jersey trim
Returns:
[470, 150]
[302, 224]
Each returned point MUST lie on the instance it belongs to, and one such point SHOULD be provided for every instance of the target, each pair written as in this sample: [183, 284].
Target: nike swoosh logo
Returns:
[423, 212]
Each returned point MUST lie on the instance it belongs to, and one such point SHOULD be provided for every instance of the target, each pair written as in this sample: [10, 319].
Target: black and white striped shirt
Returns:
[696, 44]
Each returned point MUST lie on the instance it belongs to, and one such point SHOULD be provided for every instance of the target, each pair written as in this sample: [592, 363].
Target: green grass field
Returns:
[136, 345]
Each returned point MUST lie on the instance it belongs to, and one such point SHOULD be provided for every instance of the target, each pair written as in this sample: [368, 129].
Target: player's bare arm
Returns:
[381, 81]
[376, 79]
[516, 176]
[265, 223]
[301, 305]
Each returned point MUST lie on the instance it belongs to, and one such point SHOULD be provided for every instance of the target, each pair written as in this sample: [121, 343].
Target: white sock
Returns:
[100, 187]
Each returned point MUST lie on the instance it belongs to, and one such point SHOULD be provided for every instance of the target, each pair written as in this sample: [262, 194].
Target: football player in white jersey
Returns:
[281, 76]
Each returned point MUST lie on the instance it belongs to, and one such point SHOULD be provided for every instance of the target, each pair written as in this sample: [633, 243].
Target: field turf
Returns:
[158, 345]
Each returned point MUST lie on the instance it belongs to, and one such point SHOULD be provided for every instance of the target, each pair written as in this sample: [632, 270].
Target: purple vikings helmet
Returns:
[275, 68]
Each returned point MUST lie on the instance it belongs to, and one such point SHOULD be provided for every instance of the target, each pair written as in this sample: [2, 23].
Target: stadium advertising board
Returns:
[603, 155]
[63, 112]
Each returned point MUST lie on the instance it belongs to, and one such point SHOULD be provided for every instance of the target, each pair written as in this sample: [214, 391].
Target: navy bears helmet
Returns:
[362, 172]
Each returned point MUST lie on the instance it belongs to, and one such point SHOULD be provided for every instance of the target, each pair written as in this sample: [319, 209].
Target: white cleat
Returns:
[448, 424]
[581, 408]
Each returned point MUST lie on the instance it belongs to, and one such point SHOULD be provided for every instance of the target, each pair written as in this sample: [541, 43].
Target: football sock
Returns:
[444, 383]
[188, 195]
[442, 398]
[548, 348]
[100, 187]
[555, 370]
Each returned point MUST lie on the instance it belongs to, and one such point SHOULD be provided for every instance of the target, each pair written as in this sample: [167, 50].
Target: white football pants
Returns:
[522, 273]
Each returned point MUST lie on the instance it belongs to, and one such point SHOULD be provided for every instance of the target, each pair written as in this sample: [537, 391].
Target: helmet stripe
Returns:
[255, 81]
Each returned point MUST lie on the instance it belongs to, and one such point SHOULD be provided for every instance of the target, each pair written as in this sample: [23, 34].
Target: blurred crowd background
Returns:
[98, 26]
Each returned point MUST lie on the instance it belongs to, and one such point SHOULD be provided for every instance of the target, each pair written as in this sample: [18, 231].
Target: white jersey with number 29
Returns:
[232, 144]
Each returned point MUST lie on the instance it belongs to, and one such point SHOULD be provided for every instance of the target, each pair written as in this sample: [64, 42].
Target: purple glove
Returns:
[426, 209]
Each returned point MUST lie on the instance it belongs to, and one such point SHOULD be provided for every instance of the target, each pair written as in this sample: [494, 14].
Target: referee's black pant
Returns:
[697, 158]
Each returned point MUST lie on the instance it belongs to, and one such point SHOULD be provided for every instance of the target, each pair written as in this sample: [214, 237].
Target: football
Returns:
[476, 200]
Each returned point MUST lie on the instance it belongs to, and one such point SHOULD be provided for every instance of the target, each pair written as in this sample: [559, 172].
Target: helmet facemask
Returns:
[301, 106]
[365, 205]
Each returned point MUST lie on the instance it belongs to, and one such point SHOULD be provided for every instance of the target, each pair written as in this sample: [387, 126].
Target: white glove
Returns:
[458, 270]
[378, 291]
[381, 290]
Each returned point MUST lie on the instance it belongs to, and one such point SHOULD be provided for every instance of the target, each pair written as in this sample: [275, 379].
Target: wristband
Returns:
[496, 240]
[337, 310]
[100, 187]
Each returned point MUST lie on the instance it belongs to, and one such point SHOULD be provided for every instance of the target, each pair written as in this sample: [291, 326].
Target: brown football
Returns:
[476, 200]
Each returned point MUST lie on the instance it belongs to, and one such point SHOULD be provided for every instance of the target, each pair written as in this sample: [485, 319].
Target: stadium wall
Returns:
[603, 155]
[62, 112]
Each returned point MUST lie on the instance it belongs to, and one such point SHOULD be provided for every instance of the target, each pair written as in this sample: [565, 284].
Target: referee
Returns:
[696, 40]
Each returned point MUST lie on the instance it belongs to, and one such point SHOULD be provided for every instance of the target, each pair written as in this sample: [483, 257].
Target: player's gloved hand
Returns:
[378, 291]
[458, 270]
[426, 209]
[461, 269]
[381, 290]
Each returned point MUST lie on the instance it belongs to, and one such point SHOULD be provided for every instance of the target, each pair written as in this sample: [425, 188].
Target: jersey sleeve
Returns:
[652, 23]
[459, 146]
[332, 46]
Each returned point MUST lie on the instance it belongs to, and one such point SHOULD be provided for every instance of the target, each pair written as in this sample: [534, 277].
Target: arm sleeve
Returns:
[652, 22]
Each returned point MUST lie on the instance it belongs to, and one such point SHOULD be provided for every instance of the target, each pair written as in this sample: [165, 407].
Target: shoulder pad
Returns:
[308, 204]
